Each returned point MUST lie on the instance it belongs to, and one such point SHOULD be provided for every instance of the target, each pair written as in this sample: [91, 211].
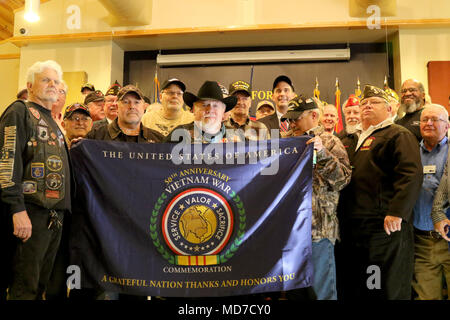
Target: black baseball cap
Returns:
[94, 96]
[88, 86]
[240, 86]
[76, 107]
[282, 78]
[297, 106]
[174, 81]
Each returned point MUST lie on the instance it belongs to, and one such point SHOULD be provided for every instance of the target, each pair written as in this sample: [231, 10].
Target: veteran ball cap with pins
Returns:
[240, 86]
[76, 107]
[372, 91]
[297, 106]
[129, 89]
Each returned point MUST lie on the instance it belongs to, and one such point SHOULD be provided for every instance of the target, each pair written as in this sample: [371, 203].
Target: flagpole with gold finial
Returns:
[358, 92]
[385, 83]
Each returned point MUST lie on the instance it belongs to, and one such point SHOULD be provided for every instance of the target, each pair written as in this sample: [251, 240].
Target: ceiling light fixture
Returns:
[32, 10]
[252, 57]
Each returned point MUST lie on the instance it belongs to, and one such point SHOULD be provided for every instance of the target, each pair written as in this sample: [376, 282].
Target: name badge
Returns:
[429, 169]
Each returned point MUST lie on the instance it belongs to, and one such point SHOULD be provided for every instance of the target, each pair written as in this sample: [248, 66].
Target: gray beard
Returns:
[410, 108]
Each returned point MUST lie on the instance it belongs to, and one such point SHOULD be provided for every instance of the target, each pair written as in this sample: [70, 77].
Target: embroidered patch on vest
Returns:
[35, 113]
[29, 187]
[366, 145]
[54, 163]
[53, 181]
[37, 170]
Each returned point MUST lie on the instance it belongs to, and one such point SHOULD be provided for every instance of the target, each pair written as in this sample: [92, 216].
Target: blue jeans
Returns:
[324, 282]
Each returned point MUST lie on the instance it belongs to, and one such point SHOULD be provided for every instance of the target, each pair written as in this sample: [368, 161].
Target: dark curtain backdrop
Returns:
[369, 62]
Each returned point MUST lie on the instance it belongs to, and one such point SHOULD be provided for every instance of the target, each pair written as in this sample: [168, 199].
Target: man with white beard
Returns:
[352, 116]
[412, 103]
[208, 107]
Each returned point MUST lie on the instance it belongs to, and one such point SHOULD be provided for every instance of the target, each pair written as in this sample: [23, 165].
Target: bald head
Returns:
[329, 117]
[412, 95]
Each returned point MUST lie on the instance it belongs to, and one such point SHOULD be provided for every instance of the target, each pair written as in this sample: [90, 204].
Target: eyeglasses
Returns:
[433, 120]
[174, 93]
[409, 89]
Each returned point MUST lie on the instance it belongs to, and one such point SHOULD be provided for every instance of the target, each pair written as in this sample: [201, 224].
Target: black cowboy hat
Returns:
[210, 90]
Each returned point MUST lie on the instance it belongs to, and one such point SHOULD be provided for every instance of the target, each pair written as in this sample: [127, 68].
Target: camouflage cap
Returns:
[297, 106]
[128, 89]
[372, 91]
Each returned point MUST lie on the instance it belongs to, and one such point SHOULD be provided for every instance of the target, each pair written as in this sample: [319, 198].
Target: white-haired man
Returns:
[34, 180]
[431, 254]
[208, 107]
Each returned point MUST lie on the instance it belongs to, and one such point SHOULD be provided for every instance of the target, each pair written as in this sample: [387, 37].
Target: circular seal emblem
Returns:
[53, 181]
[197, 222]
[54, 163]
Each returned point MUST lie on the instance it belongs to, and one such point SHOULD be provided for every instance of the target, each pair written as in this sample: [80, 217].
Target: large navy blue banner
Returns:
[146, 224]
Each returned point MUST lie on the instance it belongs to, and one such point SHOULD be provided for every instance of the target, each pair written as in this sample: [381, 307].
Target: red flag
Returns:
[340, 124]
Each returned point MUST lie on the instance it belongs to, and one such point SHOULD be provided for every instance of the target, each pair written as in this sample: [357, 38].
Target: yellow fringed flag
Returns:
[340, 124]
[316, 90]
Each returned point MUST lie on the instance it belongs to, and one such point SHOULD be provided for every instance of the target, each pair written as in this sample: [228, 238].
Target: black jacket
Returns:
[386, 175]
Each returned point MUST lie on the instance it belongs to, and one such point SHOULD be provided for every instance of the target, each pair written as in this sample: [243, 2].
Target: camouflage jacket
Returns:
[332, 173]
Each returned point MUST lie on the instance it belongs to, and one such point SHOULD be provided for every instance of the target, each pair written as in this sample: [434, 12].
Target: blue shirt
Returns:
[436, 157]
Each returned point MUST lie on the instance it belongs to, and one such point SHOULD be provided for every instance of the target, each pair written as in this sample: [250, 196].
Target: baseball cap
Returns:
[87, 86]
[173, 81]
[128, 89]
[297, 106]
[76, 107]
[94, 96]
[282, 78]
[265, 103]
[240, 86]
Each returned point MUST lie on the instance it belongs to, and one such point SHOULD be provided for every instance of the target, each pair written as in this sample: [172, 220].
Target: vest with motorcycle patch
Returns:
[46, 175]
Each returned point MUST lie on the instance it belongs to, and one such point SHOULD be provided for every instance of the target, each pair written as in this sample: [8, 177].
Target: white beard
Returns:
[351, 128]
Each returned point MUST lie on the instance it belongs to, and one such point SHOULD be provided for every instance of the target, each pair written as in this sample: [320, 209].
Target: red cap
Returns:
[352, 101]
